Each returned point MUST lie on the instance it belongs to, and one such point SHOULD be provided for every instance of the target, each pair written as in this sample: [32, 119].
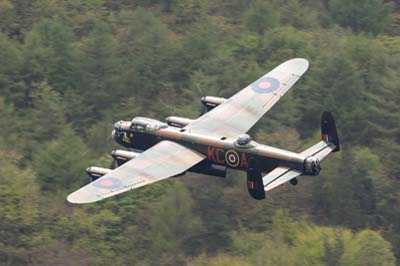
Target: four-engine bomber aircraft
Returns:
[211, 143]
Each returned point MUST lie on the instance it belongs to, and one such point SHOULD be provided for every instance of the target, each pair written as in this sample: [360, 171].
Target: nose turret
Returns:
[122, 125]
[120, 132]
[117, 125]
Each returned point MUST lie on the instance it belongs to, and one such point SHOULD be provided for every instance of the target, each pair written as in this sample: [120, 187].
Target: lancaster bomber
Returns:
[210, 144]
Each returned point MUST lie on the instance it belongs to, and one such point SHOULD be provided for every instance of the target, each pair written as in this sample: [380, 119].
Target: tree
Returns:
[7, 15]
[143, 45]
[213, 210]
[18, 17]
[97, 233]
[46, 117]
[370, 16]
[284, 42]
[10, 79]
[99, 78]
[260, 16]
[51, 55]
[188, 11]
[173, 227]
[346, 194]
[340, 91]
[299, 14]
[317, 245]
[265, 248]
[219, 260]
[41, 120]
[19, 212]
[7, 125]
[60, 163]
[368, 249]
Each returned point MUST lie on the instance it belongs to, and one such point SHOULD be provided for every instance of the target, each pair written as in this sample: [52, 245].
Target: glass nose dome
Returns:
[122, 125]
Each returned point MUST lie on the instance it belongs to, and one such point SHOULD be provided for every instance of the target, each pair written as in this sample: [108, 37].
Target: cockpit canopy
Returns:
[243, 140]
[143, 124]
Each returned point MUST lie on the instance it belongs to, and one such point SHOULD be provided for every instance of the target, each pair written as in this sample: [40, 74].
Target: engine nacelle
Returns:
[96, 172]
[311, 166]
[210, 102]
[122, 156]
[177, 121]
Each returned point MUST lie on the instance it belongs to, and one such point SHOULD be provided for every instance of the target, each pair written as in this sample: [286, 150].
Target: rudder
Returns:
[328, 130]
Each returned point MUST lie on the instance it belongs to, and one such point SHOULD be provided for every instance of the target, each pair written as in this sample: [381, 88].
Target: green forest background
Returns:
[69, 69]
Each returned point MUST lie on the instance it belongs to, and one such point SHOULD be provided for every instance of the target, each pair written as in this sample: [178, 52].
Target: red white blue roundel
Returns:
[108, 183]
[266, 85]
[232, 158]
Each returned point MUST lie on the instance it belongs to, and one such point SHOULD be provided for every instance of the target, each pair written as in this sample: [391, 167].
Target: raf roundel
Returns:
[108, 183]
[232, 158]
[266, 85]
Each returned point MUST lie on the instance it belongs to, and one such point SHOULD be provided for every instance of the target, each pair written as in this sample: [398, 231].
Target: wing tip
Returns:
[295, 66]
[80, 197]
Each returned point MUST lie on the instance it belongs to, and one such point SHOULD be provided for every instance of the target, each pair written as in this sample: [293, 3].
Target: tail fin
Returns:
[329, 142]
[328, 131]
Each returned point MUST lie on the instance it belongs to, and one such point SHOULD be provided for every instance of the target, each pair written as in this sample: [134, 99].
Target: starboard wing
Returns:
[163, 160]
[239, 113]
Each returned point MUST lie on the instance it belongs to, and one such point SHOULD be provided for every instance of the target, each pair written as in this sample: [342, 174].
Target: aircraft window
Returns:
[138, 127]
[143, 124]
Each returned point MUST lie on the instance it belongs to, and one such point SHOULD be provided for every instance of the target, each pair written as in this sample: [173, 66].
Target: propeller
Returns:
[113, 164]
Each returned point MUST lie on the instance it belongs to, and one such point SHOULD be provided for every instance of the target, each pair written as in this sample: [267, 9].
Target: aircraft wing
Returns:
[279, 176]
[239, 113]
[163, 160]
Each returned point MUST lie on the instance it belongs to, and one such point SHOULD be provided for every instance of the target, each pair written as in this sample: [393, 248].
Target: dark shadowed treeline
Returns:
[69, 69]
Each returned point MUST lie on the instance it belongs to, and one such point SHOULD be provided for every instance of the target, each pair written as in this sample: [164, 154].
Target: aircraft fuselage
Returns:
[218, 150]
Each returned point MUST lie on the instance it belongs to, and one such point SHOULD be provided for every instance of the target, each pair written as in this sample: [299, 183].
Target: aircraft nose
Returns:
[117, 125]
[122, 126]
[114, 134]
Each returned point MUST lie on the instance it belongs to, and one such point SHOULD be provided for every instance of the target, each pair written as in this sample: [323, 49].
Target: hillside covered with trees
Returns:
[69, 69]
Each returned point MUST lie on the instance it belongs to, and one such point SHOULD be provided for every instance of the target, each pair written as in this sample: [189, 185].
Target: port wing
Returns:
[161, 161]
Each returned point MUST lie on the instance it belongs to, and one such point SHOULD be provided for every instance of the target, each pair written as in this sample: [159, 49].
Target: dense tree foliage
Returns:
[365, 15]
[69, 69]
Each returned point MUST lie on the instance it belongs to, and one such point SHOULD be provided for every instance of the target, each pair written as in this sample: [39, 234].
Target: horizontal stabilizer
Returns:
[282, 174]
[328, 144]
[278, 176]
[319, 150]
